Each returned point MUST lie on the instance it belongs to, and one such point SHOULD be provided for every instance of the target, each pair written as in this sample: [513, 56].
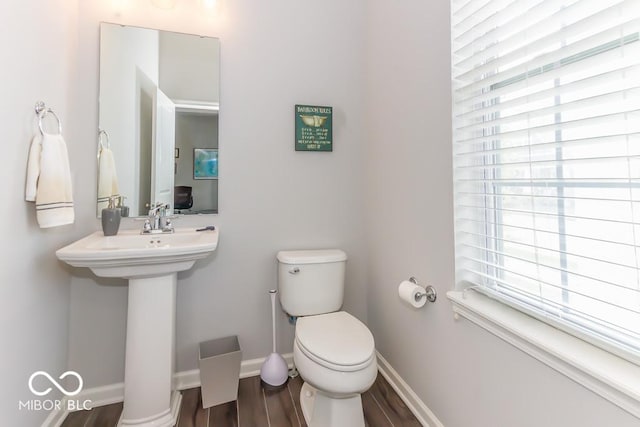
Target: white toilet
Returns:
[333, 351]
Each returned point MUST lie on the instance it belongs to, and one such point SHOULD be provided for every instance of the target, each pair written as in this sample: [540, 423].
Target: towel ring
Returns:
[42, 111]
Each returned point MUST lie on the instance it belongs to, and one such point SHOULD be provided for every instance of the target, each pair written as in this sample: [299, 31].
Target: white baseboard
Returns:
[422, 412]
[248, 368]
[105, 395]
[114, 393]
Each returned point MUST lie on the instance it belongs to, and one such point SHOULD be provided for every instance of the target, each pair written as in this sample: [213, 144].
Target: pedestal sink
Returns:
[151, 263]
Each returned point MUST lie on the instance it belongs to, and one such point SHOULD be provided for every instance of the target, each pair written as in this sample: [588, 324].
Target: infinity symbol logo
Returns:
[55, 383]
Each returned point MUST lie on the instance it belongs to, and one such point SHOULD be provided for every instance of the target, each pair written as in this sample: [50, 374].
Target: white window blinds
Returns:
[546, 122]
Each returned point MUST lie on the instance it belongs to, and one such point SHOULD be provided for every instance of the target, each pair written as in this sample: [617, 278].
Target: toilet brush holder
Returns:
[274, 371]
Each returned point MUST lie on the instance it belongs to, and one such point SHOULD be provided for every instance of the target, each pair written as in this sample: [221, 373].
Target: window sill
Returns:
[604, 373]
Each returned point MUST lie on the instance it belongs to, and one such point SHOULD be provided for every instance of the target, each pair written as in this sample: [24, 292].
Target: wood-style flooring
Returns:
[258, 406]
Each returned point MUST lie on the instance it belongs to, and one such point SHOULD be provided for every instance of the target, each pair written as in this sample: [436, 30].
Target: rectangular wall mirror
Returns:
[158, 122]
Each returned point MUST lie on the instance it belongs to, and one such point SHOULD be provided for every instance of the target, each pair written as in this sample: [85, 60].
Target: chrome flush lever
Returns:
[294, 270]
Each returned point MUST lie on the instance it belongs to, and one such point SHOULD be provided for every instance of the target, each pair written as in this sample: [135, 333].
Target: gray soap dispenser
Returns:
[124, 210]
[111, 218]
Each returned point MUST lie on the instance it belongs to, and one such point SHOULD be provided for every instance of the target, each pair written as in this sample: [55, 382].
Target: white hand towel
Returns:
[49, 181]
[33, 169]
[107, 178]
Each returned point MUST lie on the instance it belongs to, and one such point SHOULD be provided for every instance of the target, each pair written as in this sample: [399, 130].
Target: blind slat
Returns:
[480, 153]
[478, 12]
[547, 286]
[535, 163]
[609, 40]
[608, 61]
[599, 14]
[555, 216]
[594, 240]
[534, 198]
[499, 240]
[533, 184]
[629, 74]
[627, 99]
[522, 15]
[630, 118]
[617, 14]
[632, 293]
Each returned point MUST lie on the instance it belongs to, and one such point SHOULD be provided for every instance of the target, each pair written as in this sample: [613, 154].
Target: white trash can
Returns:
[219, 362]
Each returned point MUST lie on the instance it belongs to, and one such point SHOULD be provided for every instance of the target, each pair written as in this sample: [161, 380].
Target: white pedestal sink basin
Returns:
[151, 263]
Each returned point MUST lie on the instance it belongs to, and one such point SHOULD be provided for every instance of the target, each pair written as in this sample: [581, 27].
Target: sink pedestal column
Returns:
[150, 353]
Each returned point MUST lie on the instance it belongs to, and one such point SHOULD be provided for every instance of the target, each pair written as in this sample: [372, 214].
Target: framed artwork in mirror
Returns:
[205, 163]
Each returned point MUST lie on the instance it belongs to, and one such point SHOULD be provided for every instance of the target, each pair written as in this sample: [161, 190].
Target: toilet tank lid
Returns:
[311, 256]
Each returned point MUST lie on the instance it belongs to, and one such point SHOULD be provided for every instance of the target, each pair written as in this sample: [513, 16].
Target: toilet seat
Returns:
[337, 341]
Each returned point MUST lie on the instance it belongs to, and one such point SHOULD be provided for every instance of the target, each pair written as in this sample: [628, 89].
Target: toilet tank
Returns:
[311, 281]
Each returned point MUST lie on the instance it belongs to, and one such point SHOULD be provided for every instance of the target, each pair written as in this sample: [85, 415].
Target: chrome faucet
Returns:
[157, 221]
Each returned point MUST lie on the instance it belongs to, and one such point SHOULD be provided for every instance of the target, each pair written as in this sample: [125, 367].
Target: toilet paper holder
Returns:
[429, 292]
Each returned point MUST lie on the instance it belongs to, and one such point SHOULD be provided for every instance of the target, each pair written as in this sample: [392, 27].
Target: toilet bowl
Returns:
[335, 356]
[333, 351]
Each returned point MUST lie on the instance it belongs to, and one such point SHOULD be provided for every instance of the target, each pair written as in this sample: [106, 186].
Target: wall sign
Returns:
[314, 125]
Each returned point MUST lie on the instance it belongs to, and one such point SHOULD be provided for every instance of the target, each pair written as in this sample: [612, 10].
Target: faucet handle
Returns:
[168, 226]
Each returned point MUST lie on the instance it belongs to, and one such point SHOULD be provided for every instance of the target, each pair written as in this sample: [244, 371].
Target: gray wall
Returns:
[467, 376]
[189, 67]
[271, 197]
[37, 48]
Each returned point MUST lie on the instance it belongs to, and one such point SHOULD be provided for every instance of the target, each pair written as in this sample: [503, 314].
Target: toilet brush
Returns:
[274, 371]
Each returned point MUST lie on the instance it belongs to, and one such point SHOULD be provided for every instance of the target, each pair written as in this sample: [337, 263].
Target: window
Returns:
[546, 126]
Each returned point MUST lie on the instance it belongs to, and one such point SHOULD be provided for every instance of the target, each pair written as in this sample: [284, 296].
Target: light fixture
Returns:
[164, 4]
[120, 5]
[208, 4]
